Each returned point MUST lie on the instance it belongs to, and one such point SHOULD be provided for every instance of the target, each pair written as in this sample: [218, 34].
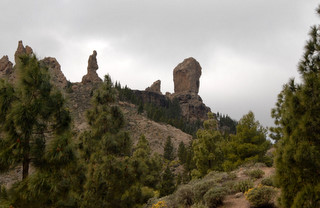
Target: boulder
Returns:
[155, 87]
[186, 76]
[92, 76]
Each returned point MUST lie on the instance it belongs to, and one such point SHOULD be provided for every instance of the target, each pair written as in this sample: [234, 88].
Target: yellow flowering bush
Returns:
[261, 196]
[160, 204]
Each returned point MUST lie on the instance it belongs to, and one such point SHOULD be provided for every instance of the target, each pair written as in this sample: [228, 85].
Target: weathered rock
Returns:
[152, 97]
[6, 67]
[92, 76]
[57, 77]
[29, 50]
[186, 76]
[20, 50]
[155, 87]
[192, 107]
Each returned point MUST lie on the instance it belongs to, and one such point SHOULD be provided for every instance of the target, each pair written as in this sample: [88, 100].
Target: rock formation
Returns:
[6, 67]
[155, 87]
[22, 50]
[186, 87]
[186, 76]
[92, 76]
[57, 77]
[192, 107]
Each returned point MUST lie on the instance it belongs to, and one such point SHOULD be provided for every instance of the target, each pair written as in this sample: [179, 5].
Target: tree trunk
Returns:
[26, 160]
[25, 166]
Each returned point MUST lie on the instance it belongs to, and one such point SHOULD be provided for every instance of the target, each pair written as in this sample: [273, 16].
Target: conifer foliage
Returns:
[298, 131]
[35, 129]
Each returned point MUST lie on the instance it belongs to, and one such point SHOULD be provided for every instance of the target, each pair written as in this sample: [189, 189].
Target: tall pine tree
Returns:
[208, 154]
[35, 129]
[298, 131]
[31, 113]
[112, 178]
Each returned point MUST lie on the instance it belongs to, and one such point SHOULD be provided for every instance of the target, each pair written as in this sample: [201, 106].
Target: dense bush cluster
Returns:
[261, 196]
[254, 174]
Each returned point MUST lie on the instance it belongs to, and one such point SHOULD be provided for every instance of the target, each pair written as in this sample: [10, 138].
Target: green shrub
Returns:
[147, 193]
[243, 186]
[184, 195]
[199, 205]
[261, 196]
[200, 188]
[232, 175]
[268, 161]
[255, 173]
[214, 197]
[267, 181]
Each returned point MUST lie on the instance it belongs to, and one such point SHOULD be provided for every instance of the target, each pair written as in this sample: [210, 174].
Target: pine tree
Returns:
[31, 112]
[35, 128]
[112, 175]
[167, 183]
[147, 167]
[182, 153]
[208, 154]
[298, 131]
[168, 151]
[250, 141]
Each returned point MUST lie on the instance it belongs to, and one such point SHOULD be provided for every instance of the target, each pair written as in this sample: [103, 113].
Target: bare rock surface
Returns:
[155, 87]
[6, 66]
[186, 76]
[22, 50]
[57, 77]
[192, 107]
[92, 76]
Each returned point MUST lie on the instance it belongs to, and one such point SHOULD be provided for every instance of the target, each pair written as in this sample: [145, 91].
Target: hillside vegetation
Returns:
[92, 144]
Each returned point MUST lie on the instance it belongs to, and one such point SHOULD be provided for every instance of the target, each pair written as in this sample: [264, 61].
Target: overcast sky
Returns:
[247, 48]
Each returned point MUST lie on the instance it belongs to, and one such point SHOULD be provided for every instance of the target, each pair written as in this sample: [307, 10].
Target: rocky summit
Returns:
[92, 75]
[186, 76]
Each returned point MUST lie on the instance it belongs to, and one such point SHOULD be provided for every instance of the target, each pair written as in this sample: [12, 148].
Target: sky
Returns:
[247, 48]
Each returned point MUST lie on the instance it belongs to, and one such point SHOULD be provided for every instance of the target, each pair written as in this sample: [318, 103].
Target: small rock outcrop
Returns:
[155, 87]
[22, 50]
[6, 66]
[92, 76]
[186, 76]
[57, 77]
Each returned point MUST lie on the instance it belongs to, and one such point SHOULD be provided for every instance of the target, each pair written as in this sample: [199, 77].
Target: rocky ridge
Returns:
[78, 96]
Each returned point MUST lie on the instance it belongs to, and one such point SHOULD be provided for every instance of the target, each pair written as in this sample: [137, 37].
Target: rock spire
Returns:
[92, 76]
[186, 76]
